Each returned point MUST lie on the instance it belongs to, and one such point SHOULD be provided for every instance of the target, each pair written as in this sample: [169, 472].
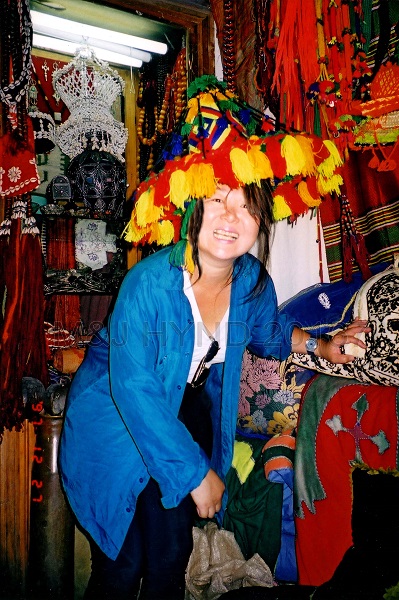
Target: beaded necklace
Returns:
[16, 64]
[156, 121]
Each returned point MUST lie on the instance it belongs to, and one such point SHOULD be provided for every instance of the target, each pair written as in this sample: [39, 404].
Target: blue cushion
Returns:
[323, 307]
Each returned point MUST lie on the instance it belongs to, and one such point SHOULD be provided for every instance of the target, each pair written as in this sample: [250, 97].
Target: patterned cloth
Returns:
[270, 393]
[342, 424]
[374, 199]
[18, 169]
[92, 243]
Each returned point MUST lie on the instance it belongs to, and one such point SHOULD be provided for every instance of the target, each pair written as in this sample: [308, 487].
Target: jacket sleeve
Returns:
[147, 375]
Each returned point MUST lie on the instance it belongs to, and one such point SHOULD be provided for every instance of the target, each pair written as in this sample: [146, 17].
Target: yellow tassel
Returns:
[332, 184]
[306, 145]
[162, 233]
[294, 157]
[281, 210]
[179, 188]
[332, 148]
[305, 195]
[260, 163]
[330, 164]
[188, 259]
[167, 232]
[242, 166]
[192, 110]
[134, 234]
[145, 210]
[201, 180]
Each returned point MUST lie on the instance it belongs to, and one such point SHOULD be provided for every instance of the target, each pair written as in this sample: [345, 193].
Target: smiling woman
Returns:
[158, 453]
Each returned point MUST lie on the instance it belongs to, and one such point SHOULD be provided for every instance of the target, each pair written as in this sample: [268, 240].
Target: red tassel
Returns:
[273, 153]
[290, 194]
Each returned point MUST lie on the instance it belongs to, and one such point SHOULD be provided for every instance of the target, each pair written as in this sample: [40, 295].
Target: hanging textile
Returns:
[22, 332]
[21, 276]
[374, 200]
[63, 311]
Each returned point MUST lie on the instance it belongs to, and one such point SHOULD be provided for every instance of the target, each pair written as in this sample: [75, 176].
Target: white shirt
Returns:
[202, 337]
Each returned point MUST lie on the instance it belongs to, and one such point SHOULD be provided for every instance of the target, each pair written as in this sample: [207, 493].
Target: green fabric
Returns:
[308, 486]
[253, 510]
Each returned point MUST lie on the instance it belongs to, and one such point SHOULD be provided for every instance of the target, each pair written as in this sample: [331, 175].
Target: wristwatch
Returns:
[311, 344]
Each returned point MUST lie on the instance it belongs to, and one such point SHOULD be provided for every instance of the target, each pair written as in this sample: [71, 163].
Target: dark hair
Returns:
[260, 206]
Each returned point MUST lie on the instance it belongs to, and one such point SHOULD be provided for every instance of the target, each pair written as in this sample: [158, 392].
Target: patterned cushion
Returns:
[270, 394]
[376, 302]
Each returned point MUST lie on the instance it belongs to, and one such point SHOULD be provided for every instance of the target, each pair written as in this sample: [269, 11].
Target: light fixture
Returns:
[65, 47]
[66, 29]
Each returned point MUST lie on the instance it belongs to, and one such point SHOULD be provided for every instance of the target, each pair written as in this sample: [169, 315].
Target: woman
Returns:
[129, 464]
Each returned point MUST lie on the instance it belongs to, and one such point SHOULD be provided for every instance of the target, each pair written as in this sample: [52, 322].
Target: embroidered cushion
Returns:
[270, 393]
[377, 301]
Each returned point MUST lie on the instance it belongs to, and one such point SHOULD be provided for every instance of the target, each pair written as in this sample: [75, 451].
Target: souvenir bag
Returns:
[377, 302]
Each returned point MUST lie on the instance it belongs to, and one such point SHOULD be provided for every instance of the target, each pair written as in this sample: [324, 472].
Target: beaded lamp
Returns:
[89, 88]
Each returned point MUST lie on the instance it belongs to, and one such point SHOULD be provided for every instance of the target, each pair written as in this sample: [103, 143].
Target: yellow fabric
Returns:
[243, 461]
[306, 145]
[146, 211]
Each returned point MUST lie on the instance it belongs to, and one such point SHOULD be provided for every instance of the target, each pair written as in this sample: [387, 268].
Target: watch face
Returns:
[311, 344]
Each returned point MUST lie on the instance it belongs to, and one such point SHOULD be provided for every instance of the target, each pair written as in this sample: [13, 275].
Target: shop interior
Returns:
[65, 205]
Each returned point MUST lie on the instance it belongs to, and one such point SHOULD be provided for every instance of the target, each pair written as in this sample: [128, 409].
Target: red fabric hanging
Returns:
[65, 309]
[23, 352]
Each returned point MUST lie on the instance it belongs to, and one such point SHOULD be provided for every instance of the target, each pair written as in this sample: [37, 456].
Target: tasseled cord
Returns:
[181, 255]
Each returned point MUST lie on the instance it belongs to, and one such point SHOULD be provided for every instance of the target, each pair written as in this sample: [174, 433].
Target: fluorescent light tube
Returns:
[62, 27]
[65, 47]
[95, 43]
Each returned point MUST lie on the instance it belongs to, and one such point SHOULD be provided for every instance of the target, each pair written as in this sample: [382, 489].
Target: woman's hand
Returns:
[208, 495]
[334, 350]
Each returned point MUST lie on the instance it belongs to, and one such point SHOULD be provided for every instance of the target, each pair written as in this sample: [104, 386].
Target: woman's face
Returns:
[228, 230]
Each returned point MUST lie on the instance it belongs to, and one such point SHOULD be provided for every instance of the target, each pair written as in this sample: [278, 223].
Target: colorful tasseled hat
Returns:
[223, 140]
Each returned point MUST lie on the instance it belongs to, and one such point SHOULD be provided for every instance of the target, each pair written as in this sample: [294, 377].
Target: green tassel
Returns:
[184, 225]
[177, 256]
[202, 83]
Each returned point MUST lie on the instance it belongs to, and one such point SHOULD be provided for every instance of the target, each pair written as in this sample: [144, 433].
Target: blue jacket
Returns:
[121, 424]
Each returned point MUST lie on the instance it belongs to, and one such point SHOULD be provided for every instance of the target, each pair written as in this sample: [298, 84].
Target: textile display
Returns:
[374, 200]
[297, 255]
[342, 424]
[260, 505]
[325, 307]
[244, 26]
[47, 101]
